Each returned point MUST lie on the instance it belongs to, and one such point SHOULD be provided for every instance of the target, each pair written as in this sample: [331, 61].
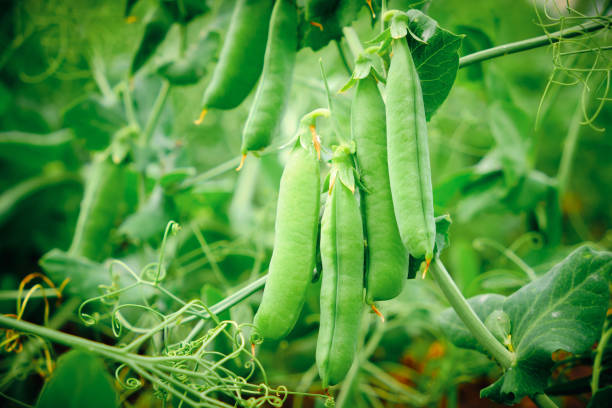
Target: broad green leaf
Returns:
[85, 276]
[457, 332]
[437, 63]
[80, 380]
[562, 310]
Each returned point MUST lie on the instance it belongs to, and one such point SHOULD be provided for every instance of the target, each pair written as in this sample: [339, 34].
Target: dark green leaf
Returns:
[475, 40]
[80, 380]
[562, 310]
[437, 63]
[156, 28]
[602, 398]
[457, 332]
[189, 69]
[85, 276]
[332, 15]
[94, 121]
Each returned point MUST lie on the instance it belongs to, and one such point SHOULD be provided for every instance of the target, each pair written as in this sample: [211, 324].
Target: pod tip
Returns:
[382, 318]
[201, 117]
[242, 159]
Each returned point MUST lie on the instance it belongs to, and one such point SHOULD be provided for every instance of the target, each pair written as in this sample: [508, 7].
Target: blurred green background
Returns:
[497, 144]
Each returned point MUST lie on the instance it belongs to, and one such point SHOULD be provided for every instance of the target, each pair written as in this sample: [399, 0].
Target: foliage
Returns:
[165, 300]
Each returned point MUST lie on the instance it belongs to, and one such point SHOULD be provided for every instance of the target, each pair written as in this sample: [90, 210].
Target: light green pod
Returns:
[100, 206]
[386, 257]
[408, 154]
[293, 257]
[273, 89]
[242, 55]
[341, 285]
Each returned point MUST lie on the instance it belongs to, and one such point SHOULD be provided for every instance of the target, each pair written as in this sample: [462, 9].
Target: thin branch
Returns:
[531, 43]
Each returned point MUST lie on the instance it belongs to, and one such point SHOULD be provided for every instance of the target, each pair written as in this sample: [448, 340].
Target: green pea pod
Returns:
[342, 281]
[99, 210]
[386, 257]
[408, 154]
[293, 257]
[242, 55]
[273, 89]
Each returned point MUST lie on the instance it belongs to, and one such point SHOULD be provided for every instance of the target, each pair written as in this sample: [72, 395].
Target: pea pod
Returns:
[386, 257]
[241, 57]
[273, 89]
[99, 210]
[408, 154]
[293, 257]
[342, 281]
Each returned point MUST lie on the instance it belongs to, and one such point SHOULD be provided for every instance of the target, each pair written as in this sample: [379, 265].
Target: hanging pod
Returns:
[275, 84]
[408, 154]
[241, 57]
[386, 257]
[295, 237]
[104, 191]
[342, 280]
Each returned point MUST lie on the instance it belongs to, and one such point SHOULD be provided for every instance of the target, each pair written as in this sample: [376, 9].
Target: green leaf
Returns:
[94, 121]
[85, 276]
[602, 398]
[510, 128]
[150, 221]
[332, 15]
[156, 28]
[563, 310]
[437, 63]
[455, 330]
[498, 323]
[189, 69]
[80, 380]
[475, 40]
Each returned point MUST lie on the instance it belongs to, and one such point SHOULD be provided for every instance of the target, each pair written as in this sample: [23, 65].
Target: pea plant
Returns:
[257, 203]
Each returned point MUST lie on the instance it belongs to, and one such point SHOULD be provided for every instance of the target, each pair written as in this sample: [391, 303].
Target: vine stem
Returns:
[598, 359]
[531, 43]
[465, 312]
[162, 96]
[504, 357]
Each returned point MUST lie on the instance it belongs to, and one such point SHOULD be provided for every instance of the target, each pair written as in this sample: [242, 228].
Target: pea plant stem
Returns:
[603, 342]
[458, 302]
[156, 111]
[531, 43]
[465, 312]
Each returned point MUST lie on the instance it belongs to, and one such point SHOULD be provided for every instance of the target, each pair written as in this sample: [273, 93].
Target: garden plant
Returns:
[305, 203]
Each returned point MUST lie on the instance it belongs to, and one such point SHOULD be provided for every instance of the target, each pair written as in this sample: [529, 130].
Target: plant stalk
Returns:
[504, 357]
[531, 43]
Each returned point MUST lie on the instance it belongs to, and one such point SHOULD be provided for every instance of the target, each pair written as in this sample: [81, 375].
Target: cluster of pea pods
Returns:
[379, 205]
